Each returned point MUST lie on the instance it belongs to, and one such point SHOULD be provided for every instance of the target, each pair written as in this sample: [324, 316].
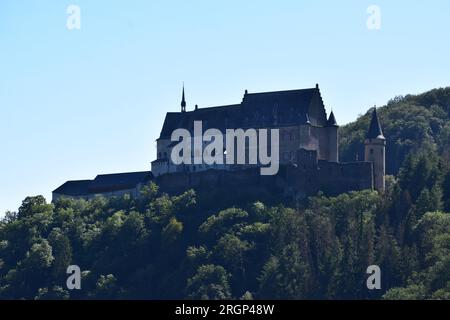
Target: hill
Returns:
[231, 246]
[411, 124]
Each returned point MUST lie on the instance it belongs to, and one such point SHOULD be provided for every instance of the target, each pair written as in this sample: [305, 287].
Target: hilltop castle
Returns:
[308, 151]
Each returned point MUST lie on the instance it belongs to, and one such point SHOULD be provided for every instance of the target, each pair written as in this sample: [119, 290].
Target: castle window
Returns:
[165, 155]
[159, 155]
[371, 151]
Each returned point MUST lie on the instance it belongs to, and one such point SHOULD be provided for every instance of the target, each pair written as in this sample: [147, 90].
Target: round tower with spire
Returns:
[332, 132]
[375, 147]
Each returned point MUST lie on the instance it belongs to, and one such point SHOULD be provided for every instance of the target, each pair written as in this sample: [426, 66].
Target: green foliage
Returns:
[54, 293]
[170, 247]
[106, 287]
[209, 283]
[217, 224]
[412, 292]
[432, 281]
[39, 256]
[177, 247]
[411, 124]
[172, 231]
[62, 252]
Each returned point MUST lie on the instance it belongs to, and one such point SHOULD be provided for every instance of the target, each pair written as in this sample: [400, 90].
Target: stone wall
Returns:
[233, 181]
[297, 180]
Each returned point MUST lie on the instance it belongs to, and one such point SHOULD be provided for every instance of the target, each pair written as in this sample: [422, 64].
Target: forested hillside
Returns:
[413, 123]
[189, 246]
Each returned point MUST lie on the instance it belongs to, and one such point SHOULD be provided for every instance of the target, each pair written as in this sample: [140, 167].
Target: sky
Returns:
[75, 103]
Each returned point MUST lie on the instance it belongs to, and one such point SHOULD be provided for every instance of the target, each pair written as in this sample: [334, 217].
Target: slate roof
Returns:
[375, 131]
[74, 188]
[119, 181]
[332, 120]
[104, 183]
[266, 109]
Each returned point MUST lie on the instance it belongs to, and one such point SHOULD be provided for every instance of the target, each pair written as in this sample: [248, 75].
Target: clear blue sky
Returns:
[77, 103]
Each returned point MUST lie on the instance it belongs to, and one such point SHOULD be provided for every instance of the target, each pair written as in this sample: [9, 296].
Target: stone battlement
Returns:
[297, 180]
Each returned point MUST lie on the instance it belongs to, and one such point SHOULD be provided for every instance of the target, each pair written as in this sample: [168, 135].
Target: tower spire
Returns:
[331, 128]
[375, 147]
[332, 120]
[375, 130]
[183, 102]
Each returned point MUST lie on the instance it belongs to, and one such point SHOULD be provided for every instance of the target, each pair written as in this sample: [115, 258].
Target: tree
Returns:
[62, 252]
[209, 283]
[106, 287]
[39, 257]
[218, 224]
[446, 191]
[171, 231]
[54, 293]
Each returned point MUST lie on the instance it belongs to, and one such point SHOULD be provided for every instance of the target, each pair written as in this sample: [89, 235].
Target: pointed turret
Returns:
[375, 131]
[375, 145]
[183, 102]
[331, 122]
[331, 128]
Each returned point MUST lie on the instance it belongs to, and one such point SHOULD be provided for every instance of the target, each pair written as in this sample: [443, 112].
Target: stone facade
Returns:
[299, 115]
[303, 177]
[308, 147]
[375, 151]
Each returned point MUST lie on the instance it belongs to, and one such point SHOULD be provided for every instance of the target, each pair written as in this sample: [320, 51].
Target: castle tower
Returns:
[375, 145]
[183, 102]
[332, 132]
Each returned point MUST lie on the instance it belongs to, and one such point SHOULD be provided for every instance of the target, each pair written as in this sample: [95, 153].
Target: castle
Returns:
[308, 151]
